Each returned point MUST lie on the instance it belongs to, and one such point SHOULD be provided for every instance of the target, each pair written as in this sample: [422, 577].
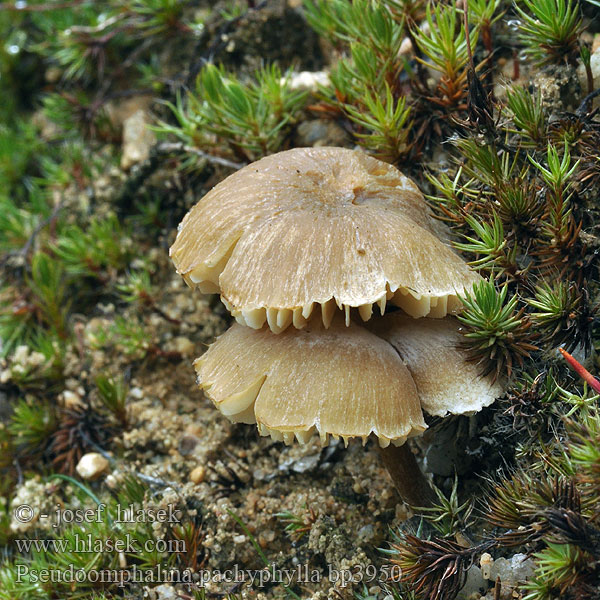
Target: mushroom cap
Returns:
[318, 226]
[447, 383]
[342, 381]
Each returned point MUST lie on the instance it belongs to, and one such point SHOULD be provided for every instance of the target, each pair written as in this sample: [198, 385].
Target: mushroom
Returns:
[318, 227]
[345, 382]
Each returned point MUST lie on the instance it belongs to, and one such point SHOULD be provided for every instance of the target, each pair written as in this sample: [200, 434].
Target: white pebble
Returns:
[91, 465]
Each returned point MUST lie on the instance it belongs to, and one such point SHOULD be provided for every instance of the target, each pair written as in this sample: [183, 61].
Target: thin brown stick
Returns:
[38, 7]
[413, 487]
[24, 251]
[166, 147]
[467, 35]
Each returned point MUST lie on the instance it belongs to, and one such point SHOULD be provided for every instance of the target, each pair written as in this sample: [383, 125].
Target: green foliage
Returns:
[550, 29]
[48, 285]
[19, 146]
[580, 403]
[149, 214]
[447, 515]
[559, 171]
[519, 205]
[584, 452]
[484, 13]
[254, 118]
[454, 193]
[519, 197]
[364, 72]
[61, 110]
[38, 360]
[497, 332]
[519, 222]
[374, 24]
[557, 310]
[548, 509]
[491, 245]
[86, 43]
[517, 503]
[558, 566]
[113, 394]
[484, 163]
[365, 82]
[387, 124]
[101, 246]
[11, 587]
[297, 526]
[63, 551]
[527, 113]
[137, 287]
[445, 45]
[157, 17]
[74, 40]
[18, 221]
[31, 426]
[127, 336]
[16, 321]
[560, 229]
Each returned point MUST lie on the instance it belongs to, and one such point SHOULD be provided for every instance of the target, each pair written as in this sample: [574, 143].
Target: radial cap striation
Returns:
[317, 230]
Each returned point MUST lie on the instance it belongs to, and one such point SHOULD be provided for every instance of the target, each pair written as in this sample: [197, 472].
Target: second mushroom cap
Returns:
[343, 381]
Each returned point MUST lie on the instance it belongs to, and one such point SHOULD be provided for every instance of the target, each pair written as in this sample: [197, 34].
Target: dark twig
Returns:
[24, 251]
[23, 7]
[436, 569]
[180, 147]
[142, 171]
[583, 107]
[478, 100]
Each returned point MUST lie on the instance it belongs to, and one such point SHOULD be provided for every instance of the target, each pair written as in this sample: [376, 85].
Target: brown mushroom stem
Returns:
[413, 487]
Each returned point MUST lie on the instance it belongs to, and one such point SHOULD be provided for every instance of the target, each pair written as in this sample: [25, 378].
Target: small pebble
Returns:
[184, 346]
[71, 399]
[307, 80]
[197, 475]
[187, 444]
[91, 466]
[166, 592]
[138, 138]
[486, 563]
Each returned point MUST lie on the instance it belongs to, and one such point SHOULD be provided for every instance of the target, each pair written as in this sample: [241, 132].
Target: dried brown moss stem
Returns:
[413, 487]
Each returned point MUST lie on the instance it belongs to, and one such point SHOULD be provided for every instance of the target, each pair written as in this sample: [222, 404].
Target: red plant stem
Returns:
[581, 371]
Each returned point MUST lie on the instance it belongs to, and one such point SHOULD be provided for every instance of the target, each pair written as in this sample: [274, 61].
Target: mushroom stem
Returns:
[413, 487]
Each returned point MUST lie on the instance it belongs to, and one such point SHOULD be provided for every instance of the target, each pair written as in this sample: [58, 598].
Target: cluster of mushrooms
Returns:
[301, 246]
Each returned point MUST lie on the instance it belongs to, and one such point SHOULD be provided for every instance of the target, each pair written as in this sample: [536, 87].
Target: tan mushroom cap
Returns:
[445, 380]
[318, 226]
[342, 381]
